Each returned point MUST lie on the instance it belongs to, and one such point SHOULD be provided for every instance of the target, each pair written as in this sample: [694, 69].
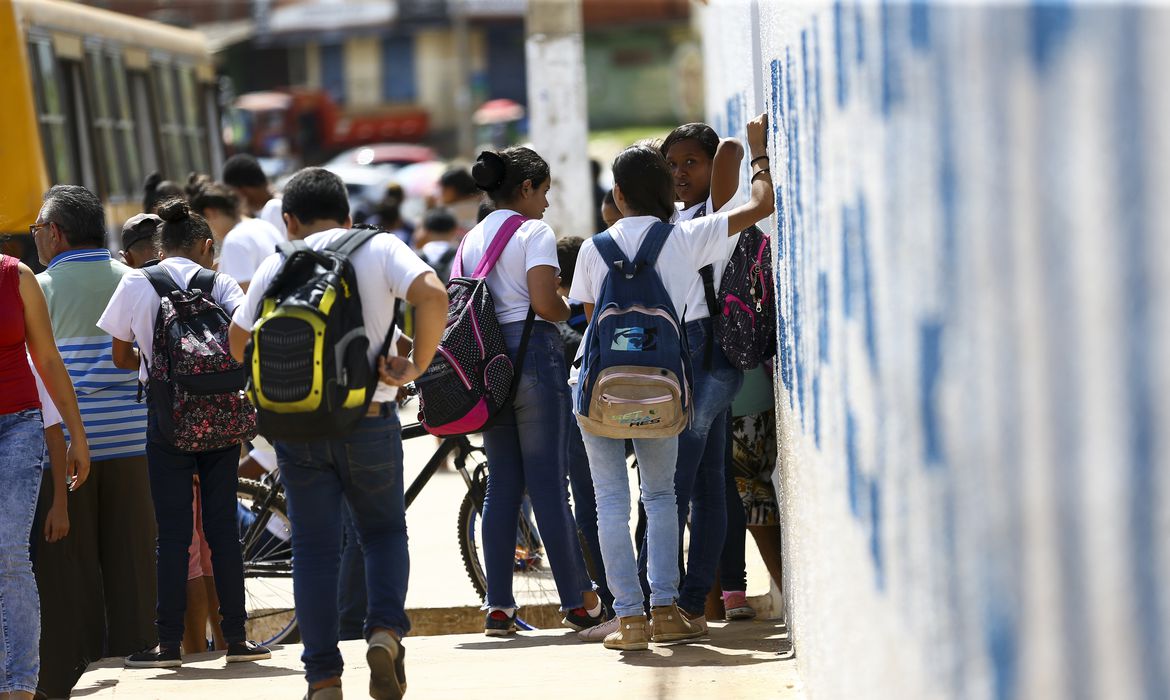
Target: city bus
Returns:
[99, 99]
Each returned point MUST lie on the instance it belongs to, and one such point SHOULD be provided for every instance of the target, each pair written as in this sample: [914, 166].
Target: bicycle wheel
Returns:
[266, 542]
[532, 579]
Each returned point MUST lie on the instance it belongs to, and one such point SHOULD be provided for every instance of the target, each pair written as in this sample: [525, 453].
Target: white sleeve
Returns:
[245, 315]
[272, 213]
[401, 265]
[116, 319]
[540, 247]
[586, 279]
[48, 409]
[228, 293]
[705, 239]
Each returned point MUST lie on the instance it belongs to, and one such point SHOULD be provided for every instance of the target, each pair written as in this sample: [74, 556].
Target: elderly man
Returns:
[110, 547]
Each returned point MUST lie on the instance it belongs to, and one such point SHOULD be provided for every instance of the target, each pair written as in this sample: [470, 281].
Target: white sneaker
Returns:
[598, 633]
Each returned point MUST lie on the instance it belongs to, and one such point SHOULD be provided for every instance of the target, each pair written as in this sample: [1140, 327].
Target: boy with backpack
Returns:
[317, 324]
[635, 382]
[178, 313]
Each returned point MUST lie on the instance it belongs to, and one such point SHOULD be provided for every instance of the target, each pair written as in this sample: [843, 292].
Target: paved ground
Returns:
[737, 660]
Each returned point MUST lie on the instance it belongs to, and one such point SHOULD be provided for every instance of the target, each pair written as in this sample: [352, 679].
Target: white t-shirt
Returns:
[246, 246]
[272, 212]
[434, 251]
[385, 269]
[697, 296]
[49, 411]
[132, 310]
[691, 245]
[533, 244]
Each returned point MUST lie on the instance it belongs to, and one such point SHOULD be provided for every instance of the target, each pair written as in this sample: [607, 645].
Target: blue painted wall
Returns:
[972, 244]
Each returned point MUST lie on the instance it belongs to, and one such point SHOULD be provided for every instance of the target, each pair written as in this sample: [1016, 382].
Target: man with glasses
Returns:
[110, 547]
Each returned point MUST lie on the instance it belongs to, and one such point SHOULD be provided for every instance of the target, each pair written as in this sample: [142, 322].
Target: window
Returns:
[333, 71]
[125, 136]
[398, 69]
[193, 129]
[144, 121]
[170, 125]
[105, 119]
[52, 112]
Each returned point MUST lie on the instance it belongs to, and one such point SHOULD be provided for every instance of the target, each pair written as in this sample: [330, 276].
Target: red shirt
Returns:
[18, 389]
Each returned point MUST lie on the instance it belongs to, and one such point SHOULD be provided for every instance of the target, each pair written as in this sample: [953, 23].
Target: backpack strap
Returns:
[652, 245]
[612, 255]
[353, 239]
[287, 248]
[204, 281]
[496, 247]
[161, 280]
[707, 273]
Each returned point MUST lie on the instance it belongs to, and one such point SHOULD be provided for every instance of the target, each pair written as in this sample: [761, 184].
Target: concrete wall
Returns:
[973, 268]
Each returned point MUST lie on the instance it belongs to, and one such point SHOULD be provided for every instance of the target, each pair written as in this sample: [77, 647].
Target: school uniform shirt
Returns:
[691, 245]
[246, 246]
[133, 308]
[696, 295]
[273, 213]
[385, 269]
[533, 244]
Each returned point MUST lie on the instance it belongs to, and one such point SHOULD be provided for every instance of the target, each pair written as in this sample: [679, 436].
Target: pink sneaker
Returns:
[735, 606]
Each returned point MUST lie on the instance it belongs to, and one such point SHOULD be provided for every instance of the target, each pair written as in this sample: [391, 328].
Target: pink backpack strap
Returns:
[496, 249]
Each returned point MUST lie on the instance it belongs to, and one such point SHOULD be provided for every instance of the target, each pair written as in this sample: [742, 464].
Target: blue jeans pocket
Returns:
[371, 454]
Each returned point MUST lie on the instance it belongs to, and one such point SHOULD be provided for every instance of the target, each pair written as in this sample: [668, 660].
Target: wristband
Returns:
[763, 157]
[761, 172]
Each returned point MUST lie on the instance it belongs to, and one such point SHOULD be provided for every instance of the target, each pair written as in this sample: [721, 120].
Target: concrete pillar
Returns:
[557, 114]
[463, 108]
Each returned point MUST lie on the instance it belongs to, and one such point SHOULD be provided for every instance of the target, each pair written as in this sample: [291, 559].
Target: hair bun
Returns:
[489, 171]
[174, 210]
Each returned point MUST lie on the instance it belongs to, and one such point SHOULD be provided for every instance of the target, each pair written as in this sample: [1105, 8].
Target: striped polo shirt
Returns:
[77, 285]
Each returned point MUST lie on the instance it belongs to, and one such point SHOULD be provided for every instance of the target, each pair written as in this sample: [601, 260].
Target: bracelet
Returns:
[763, 157]
[761, 172]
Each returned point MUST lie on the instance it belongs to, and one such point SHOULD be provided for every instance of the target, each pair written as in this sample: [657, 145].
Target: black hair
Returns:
[181, 228]
[315, 194]
[698, 131]
[439, 220]
[195, 183]
[501, 174]
[242, 170]
[485, 208]
[567, 250]
[459, 180]
[155, 189]
[215, 196]
[608, 199]
[78, 213]
[644, 178]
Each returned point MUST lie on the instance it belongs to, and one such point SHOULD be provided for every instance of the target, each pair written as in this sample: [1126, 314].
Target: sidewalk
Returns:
[738, 660]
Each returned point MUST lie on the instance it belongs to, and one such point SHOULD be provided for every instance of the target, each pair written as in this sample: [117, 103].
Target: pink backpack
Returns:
[472, 376]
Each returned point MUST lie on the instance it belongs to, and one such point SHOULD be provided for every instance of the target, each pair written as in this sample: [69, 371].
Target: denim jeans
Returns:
[22, 445]
[364, 471]
[527, 448]
[611, 479]
[351, 585]
[170, 472]
[585, 510]
[699, 476]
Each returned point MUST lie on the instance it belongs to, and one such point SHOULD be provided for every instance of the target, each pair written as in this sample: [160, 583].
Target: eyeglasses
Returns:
[33, 228]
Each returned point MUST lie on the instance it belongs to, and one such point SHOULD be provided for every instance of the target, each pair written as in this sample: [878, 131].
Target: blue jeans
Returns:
[699, 477]
[526, 449]
[611, 480]
[585, 509]
[170, 472]
[363, 470]
[22, 445]
[351, 585]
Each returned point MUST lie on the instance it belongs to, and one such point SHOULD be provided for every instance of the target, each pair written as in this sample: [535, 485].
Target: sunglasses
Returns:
[33, 228]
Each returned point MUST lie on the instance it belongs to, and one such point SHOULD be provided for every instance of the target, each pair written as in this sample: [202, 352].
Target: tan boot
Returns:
[669, 624]
[630, 634]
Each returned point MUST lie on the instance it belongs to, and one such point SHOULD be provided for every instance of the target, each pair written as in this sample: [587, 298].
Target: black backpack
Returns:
[743, 314]
[309, 375]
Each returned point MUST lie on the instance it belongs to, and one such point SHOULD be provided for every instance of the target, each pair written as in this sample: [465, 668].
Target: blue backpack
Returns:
[635, 379]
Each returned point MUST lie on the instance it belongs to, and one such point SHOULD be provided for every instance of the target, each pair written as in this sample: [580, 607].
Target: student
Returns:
[388, 215]
[139, 247]
[459, 192]
[437, 239]
[609, 210]
[644, 193]
[243, 243]
[26, 331]
[186, 248]
[155, 190]
[528, 442]
[243, 173]
[705, 175]
[362, 470]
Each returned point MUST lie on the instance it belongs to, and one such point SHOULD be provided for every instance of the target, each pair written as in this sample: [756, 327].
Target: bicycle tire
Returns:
[268, 594]
[532, 580]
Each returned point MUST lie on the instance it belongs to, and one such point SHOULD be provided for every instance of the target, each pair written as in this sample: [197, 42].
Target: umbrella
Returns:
[497, 112]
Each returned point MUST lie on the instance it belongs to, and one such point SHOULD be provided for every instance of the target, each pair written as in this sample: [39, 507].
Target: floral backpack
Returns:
[195, 388]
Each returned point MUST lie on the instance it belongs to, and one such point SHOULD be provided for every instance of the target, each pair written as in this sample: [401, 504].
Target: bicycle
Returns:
[265, 538]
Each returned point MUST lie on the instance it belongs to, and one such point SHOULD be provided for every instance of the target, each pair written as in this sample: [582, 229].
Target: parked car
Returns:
[379, 154]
